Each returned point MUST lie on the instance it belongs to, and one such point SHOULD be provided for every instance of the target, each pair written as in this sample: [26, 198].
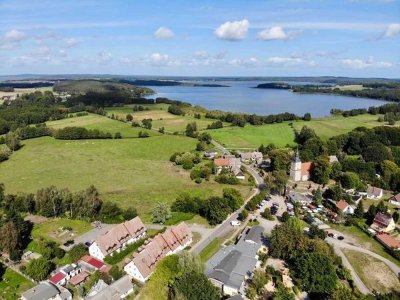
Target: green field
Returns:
[161, 117]
[281, 134]
[328, 127]
[93, 121]
[13, 284]
[132, 172]
[251, 137]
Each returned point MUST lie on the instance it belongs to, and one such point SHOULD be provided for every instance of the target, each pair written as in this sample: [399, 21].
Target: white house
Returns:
[145, 260]
[118, 238]
[374, 193]
[300, 171]
[344, 207]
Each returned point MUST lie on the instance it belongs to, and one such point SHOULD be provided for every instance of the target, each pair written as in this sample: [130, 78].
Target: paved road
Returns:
[226, 226]
[90, 236]
[357, 281]
[344, 245]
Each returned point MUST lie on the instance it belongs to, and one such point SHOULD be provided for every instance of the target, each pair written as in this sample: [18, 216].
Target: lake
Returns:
[240, 97]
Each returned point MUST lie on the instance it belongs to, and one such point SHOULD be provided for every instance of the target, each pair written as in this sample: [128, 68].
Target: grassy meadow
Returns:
[161, 117]
[132, 172]
[93, 121]
[281, 134]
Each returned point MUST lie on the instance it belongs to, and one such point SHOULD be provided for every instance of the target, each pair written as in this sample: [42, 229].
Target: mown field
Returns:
[93, 121]
[251, 137]
[161, 117]
[281, 134]
[328, 127]
[132, 172]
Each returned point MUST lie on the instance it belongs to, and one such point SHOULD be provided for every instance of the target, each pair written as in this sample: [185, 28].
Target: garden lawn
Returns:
[157, 286]
[211, 249]
[13, 284]
[161, 117]
[251, 137]
[328, 127]
[375, 274]
[132, 172]
[52, 229]
[94, 121]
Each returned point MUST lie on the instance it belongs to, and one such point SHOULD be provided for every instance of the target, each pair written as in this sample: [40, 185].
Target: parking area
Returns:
[90, 236]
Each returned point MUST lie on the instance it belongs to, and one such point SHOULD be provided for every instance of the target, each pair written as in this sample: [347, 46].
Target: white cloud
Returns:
[250, 62]
[392, 30]
[70, 42]
[164, 33]
[363, 64]
[233, 31]
[14, 36]
[158, 59]
[273, 33]
[104, 57]
[289, 61]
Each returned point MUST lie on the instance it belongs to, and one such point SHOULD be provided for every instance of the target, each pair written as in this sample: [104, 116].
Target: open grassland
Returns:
[282, 134]
[375, 274]
[93, 121]
[161, 117]
[13, 284]
[132, 172]
[328, 127]
[251, 137]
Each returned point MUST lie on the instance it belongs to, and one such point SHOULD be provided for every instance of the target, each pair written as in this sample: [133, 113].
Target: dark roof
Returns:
[383, 219]
[44, 290]
[255, 234]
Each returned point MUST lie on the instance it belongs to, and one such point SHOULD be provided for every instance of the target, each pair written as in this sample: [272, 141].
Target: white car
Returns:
[235, 223]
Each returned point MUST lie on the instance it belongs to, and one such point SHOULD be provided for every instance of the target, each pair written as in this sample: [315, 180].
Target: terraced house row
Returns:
[169, 242]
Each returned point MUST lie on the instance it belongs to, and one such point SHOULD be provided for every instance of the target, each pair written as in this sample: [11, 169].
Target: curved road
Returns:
[224, 227]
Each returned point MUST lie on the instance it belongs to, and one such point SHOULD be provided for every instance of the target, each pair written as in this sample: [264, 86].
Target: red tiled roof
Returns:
[159, 246]
[77, 279]
[113, 239]
[306, 168]
[57, 277]
[388, 241]
[93, 261]
[221, 162]
[374, 191]
[342, 205]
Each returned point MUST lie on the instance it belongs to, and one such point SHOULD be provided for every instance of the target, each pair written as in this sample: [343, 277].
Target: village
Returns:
[231, 267]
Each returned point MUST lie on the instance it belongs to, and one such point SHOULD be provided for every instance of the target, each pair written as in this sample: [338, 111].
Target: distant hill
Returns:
[154, 82]
[100, 86]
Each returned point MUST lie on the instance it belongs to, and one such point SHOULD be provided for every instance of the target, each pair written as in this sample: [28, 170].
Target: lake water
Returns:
[240, 97]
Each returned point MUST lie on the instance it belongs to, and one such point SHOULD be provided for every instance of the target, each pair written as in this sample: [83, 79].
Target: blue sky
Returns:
[208, 37]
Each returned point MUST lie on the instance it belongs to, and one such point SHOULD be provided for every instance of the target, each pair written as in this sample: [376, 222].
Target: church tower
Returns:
[295, 168]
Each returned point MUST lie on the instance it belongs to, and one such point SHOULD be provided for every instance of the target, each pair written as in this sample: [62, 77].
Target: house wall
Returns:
[95, 251]
[134, 272]
[230, 291]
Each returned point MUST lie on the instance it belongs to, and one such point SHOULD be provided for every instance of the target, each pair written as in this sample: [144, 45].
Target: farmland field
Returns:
[328, 127]
[251, 137]
[132, 172]
[93, 121]
[161, 117]
[281, 134]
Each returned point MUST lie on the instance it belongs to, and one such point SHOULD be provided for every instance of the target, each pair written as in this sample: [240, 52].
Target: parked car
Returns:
[340, 238]
[274, 210]
[235, 223]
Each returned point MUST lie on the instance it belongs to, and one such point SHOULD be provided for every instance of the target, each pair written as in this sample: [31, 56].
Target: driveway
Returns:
[90, 236]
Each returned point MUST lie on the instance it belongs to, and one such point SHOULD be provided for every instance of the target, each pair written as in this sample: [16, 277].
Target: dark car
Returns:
[331, 235]
[274, 210]
[69, 243]
[340, 238]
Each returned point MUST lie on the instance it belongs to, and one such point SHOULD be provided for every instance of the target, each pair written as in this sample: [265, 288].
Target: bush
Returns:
[77, 252]
[143, 134]
[226, 179]
[117, 136]
[198, 180]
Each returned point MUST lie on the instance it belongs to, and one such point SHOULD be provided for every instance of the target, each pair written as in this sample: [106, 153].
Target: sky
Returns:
[357, 38]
